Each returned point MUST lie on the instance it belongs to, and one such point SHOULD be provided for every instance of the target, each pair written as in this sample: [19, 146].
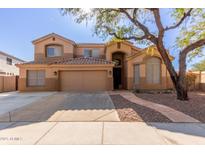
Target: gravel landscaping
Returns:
[195, 107]
[129, 111]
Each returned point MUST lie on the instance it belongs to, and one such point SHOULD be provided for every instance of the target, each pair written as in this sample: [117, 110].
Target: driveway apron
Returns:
[66, 106]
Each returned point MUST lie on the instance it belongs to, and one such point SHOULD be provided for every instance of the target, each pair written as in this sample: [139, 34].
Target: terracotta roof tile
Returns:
[72, 61]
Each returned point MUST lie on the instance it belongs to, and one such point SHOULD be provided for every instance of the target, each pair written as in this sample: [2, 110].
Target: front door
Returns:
[117, 78]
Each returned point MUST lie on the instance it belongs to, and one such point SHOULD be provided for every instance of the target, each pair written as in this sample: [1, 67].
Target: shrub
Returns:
[190, 80]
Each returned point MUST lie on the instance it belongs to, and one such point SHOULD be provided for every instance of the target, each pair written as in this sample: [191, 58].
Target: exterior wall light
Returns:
[55, 73]
[110, 72]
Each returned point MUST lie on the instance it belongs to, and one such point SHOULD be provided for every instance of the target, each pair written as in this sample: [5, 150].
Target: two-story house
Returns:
[64, 65]
[7, 64]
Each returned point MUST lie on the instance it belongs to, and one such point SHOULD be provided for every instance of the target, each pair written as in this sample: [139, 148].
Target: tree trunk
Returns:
[178, 80]
[182, 89]
[182, 92]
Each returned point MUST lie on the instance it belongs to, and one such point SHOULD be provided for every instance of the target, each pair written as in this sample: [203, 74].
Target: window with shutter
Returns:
[54, 51]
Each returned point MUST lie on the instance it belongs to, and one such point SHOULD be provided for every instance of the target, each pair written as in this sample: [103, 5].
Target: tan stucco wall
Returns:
[165, 81]
[52, 82]
[79, 51]
[124, 47]
[40, 47]
[200, 81]
[132, 56]
[131, 60]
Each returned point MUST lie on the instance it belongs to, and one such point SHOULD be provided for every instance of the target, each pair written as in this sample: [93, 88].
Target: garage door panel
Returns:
[68, 78]
[83, 80]
[95, 80]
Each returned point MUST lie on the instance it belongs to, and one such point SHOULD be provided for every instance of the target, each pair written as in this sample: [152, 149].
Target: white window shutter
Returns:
[136, 74]
[95, 53]
[58, 51]
[32, 78]
[41, 78]
[156, 73]
[153, 70]
[149, 73]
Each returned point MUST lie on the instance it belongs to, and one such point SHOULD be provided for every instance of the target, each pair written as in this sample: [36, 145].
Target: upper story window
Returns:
[9, 61]
[54, 51]
[91, 53]
[87, 52]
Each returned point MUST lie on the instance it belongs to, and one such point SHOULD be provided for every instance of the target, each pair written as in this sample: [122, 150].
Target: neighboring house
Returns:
[7, 64]
[61, 64]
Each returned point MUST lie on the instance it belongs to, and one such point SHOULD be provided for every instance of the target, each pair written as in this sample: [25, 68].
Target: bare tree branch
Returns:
[124, 38]
[193, 46]
[137, 23]
[187, 14]
[127, 38]
[134, 13]
[158, 20]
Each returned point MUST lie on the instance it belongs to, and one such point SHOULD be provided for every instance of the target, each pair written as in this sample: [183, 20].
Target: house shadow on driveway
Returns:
[168, 129]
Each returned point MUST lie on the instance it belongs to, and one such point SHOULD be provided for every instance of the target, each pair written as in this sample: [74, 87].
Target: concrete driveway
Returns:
[13, 100]
[62, 106]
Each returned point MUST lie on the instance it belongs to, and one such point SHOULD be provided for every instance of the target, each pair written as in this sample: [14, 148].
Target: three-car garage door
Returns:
[83, 80]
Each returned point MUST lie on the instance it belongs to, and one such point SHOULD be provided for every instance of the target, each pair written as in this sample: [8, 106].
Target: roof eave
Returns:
[50, 35]
[8, 55]
[70, 65]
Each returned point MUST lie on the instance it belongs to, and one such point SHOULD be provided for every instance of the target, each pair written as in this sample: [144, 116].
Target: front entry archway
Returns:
[118, 70]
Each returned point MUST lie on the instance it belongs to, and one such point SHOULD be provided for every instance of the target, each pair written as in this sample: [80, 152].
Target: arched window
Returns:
[153, 70]
[54, 50]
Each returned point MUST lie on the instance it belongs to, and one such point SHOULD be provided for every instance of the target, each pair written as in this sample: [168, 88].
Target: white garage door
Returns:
[83, 80]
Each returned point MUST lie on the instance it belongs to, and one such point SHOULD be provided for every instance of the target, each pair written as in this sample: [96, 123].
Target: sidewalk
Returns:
[101, 133]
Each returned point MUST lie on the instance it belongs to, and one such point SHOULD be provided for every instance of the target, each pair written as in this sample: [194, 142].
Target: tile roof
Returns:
[72, 61]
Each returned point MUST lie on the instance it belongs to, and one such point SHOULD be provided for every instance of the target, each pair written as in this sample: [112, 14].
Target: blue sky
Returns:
[18, 27]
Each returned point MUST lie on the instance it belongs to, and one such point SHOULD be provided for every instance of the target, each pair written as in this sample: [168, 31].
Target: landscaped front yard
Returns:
[130, 111]
[123, 106]
[195, 107]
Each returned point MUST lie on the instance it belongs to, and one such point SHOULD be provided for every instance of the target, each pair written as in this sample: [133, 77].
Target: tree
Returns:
[145, 26]
[200, 66]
